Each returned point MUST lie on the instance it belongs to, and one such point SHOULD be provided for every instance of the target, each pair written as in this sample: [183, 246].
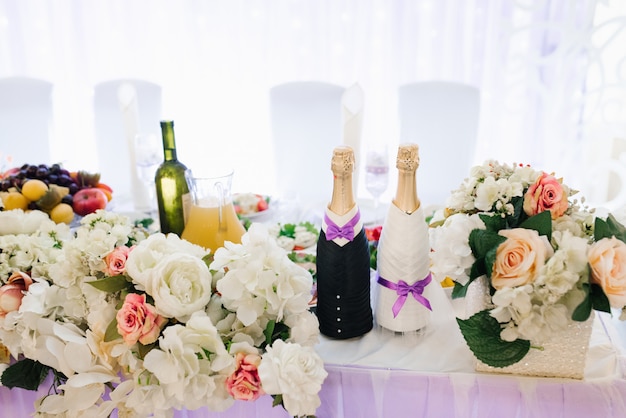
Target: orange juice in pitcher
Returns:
[212, 219]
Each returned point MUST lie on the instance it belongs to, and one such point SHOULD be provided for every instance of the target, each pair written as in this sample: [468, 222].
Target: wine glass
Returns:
[376, 173]
[148, 157]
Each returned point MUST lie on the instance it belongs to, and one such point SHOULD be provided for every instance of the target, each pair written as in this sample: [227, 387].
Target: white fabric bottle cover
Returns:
[403, 254]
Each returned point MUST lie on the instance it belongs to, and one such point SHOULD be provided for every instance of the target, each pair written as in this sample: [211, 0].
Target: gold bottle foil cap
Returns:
[342, 162]
[408, 157]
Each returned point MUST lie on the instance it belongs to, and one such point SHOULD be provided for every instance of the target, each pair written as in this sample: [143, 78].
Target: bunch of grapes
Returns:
[53, 174]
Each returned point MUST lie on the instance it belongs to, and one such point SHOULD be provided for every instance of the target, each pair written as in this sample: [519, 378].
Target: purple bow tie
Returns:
[335, 231]
[403, 289]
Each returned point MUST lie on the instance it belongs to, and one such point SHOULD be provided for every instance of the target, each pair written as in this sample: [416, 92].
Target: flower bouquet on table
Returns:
[533, 264]
[144, 324]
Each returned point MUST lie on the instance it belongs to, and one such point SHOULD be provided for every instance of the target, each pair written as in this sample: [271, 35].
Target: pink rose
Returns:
[138, 320]
[12, 292]
[116, 260]
[519, 258]
[244, 383]
[547, 193]
[607, 259]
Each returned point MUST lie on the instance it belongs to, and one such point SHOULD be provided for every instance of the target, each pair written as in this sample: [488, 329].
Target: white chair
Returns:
[306, 126]
[442, 118]
[122, 109]
[605, 180]
[25, 120]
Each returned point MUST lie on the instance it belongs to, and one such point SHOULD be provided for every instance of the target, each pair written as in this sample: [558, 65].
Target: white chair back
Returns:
[442, 118]
[306, 126]
[123, 108]
[25, 120]
[606, 179]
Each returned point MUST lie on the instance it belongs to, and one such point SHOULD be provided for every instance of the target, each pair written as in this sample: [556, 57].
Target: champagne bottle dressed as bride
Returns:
[343, 260]
[403, 258]
[172, 190]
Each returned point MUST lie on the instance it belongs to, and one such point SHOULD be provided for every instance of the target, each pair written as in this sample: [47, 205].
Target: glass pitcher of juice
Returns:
[212, 219]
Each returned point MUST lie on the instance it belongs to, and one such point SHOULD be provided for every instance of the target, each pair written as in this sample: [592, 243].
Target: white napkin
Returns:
[352, 115]
[127, 97]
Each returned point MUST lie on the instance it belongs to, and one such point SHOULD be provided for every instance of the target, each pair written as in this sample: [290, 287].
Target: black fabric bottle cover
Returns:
[343, 287]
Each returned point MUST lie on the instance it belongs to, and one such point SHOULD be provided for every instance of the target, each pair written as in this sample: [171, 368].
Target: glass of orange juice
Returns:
[212, 219]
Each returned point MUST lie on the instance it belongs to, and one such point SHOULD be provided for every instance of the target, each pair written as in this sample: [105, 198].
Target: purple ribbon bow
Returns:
[403, 289]
[335, 231]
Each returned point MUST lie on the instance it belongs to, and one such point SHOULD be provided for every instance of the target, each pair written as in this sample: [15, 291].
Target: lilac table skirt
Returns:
[362, 392]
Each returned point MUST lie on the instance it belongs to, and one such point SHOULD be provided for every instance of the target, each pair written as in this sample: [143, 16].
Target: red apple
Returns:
[89, 200]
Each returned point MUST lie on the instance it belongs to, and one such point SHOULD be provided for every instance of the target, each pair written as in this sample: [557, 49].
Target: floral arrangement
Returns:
[547, 260]
[144, 324]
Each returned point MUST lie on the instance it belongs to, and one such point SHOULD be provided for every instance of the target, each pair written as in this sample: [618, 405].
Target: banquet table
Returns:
[431, 374]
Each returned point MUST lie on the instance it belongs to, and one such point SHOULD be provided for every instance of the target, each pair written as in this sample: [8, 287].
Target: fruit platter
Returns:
[52, 189]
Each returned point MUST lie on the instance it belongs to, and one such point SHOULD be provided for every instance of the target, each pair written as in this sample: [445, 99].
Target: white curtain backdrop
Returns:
[216, 61]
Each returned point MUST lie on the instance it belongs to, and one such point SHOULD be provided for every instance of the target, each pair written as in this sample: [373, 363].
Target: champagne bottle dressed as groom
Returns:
[343, 259]
[172, 190]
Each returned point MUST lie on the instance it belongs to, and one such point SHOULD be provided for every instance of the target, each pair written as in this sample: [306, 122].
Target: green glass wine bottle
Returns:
[172, 191]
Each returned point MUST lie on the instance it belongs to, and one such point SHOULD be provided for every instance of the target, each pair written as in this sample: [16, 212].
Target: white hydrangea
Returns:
[260, 279]
[192, 364]
[452, 256]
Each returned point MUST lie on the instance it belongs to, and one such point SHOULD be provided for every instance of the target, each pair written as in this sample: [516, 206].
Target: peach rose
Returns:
[519, 258]
[547, 193]
[607, 259]
[116, 260]
[244, 383]
[138, 320]
[12, 292]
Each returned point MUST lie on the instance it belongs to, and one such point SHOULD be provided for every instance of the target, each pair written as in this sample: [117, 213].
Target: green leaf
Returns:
[609, 228]
[617, 228]
[493, 222]
[519, 215]
[490, 259]
[274, 331]
[599, 300]
[482, 334]
[459, 291]
[481, 241]
[542, 223]
[278, 400]
[601, 230]
[111, 284]
[208, 259]
[26, 374]
[143, 350]
[582, 311]
[269, 330]
[111, 333]
[478, 269]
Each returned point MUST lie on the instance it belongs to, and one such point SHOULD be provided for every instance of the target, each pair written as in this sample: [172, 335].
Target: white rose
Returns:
[180, 285]
[295, 372]
[148, 253]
